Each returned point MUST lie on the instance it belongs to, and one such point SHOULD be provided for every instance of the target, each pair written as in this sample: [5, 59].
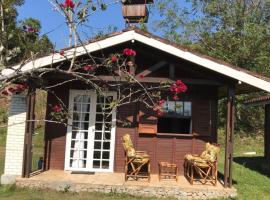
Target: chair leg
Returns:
[126, 168]
[216, 174]
[176, 173]
[192, 171]
[159, 173]
[149, 172]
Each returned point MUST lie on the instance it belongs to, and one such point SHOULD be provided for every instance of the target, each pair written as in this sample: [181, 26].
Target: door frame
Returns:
[91, 130]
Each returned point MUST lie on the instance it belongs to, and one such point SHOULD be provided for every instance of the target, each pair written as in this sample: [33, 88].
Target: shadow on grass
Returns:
[257, 163]
[221, 178]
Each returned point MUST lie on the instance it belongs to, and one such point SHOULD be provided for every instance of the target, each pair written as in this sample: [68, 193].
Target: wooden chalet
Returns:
[165, 138]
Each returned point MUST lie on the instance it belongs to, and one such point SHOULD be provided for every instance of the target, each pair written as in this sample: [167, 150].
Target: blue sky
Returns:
[50, 20]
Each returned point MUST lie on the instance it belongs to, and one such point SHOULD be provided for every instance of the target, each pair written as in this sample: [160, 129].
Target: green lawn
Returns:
[250, 174]
[2, 150]
[12, 193]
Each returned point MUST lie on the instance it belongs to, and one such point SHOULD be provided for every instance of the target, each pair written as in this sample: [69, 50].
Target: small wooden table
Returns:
[168, 171]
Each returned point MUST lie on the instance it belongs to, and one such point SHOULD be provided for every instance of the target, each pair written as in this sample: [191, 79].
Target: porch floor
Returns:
[114, 182]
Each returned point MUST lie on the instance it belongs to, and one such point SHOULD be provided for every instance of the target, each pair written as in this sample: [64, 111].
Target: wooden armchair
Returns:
[204, 165]
[137, 163]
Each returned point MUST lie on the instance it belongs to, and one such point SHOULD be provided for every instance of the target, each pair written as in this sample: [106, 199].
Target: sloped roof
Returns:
[261, 100]
[132, 33]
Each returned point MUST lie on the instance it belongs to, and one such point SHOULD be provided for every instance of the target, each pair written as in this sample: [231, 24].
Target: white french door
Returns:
[91, 132]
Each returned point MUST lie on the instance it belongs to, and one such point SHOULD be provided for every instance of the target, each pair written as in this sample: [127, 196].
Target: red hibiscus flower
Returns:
[57, 108]
[181, 86]
[178, 87]
[5, 92]
[175, 97]
[11, 90]
[161, 102]
[62, 52]
[30, 30]
[159, 113]
[87, 68]
[68, 4]
[129, 52]
[21, 87]
[114, 59]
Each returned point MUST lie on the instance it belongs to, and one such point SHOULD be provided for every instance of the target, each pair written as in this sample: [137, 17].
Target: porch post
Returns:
[229, 137]
[267, 132]
[29, 131]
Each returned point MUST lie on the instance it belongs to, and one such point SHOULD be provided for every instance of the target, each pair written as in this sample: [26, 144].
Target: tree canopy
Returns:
[236, 31]
[19, 40]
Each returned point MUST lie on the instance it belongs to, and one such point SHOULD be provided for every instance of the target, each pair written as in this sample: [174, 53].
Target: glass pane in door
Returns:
[79, 136]
[102, 135]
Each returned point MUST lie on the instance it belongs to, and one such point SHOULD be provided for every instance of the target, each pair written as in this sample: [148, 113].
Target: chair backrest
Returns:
[128, 145]
[211, 152]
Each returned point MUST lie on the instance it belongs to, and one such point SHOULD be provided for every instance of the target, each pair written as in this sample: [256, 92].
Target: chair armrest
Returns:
[142, 154]
[195, 155]
[140, 151]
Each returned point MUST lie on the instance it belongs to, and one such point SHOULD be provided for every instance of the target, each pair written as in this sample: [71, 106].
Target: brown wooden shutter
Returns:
[147, 120]
[201, 117]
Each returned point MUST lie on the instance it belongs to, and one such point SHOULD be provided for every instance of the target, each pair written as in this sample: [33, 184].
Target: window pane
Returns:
[105, 155]
[99, 108]
[105, 164]
[77, 107]
[99, 117]
[107, 135]
[106, 145]
[98, 126]
[100, 99]
[179, 107]
[97, 154]
[76, 116]
[75, 125]
[98, 135]
[97, 145]
[86, 99]
[108, 127]
[165, 107]
[187, 109]
[108, 118]
[78, 98]
[109, 99]
[171, 106]
[96, 164]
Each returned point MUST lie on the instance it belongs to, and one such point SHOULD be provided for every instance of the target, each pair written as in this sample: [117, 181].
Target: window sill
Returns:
[175, 134]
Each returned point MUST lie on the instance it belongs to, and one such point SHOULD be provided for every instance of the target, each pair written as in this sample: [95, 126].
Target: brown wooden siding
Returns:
[55, 134]
[160, 148]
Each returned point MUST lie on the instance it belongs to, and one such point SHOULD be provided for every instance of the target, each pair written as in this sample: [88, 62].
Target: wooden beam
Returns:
[152, 69]
[229, 137]
[267, 133]
[29, 131]
[158, 80]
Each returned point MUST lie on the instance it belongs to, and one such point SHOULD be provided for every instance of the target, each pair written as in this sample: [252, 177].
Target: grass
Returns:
[2, 149]
[13, 193]
[38, 147]
[250, 173]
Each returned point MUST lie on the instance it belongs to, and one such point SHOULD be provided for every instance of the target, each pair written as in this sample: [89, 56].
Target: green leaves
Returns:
[103, 6]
